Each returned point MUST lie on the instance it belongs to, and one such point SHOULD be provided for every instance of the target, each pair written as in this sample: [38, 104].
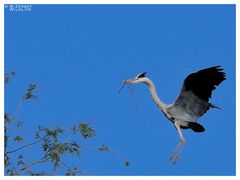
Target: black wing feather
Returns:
[203, 82]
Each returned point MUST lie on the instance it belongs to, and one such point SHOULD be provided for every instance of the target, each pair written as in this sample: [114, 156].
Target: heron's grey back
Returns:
[188, 107]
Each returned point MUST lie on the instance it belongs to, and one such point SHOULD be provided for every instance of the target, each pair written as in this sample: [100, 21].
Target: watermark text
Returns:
[18, 7]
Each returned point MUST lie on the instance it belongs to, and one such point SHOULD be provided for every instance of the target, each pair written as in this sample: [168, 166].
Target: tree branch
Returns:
[43, 159]
[27, 145]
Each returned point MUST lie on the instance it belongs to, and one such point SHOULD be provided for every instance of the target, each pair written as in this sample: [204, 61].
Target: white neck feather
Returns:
[154, 95]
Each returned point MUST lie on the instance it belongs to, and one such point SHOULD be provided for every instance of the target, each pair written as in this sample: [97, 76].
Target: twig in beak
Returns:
[124, 83]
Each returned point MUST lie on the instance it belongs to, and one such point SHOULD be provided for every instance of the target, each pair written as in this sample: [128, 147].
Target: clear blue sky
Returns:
[85, 51]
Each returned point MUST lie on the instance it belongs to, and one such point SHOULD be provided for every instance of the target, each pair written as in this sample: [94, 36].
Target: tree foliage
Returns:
[54, 143]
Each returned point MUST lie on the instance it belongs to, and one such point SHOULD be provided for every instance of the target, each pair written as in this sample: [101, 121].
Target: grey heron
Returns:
[192, 102]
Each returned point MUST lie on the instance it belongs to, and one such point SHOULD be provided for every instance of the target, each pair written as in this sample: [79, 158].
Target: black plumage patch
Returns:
[203, 82]
[172, 118]
[142, 75]
[196, 127]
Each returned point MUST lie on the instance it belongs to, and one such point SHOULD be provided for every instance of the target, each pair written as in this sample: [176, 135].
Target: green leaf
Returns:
[29, 95]
[37, 135]
[7, 118]
[20, 163]
[127, 163]
[18, 139]
[6, 79]
[19, 124]
[13, 72]
[86, 131]
[32, 87]
[103, 148]
[73, 171]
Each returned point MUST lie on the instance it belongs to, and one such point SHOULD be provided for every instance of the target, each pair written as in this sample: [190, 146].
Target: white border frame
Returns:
[120, 2]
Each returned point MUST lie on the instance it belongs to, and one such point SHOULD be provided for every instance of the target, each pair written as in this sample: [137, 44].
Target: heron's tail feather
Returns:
[196, 127]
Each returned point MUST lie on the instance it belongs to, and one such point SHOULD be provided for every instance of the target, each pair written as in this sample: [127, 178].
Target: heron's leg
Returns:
[176, 154]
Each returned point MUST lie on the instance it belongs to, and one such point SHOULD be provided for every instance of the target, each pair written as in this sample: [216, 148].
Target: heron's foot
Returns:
[175, 157]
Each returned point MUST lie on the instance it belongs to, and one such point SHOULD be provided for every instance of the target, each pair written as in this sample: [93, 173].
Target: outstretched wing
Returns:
[203, 82]
[196, 91]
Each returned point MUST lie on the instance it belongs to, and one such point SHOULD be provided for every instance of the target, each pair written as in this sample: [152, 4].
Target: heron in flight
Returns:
[192, 102]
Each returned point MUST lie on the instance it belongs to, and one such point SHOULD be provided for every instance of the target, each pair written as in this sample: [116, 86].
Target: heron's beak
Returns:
[129, 81]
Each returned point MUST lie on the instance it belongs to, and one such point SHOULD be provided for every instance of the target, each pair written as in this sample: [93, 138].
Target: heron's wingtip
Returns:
[214, 106]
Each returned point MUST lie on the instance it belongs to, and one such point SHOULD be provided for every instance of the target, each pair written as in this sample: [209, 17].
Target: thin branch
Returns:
[43, 159]
[20, 105]
[5, 140]
[27, 145]
[64, 164]
[55, 168]
[21, 130]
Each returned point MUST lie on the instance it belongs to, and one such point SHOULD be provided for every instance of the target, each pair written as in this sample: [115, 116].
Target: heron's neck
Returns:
[154, 95]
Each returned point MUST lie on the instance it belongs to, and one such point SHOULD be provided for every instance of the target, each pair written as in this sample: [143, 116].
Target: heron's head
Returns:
[141, 78]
